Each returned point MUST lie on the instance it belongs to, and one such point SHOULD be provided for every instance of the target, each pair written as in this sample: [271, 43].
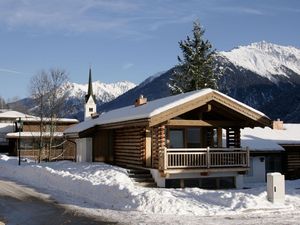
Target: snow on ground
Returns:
[103, 189]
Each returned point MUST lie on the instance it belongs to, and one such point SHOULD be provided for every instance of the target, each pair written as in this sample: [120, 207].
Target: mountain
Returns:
[152, 88]
[276, 63]
[104, 92]
[263, 75]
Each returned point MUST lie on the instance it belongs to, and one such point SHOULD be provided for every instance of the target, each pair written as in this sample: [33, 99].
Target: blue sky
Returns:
[127, 39]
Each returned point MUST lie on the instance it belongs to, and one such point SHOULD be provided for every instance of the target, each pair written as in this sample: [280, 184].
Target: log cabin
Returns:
[177, 138]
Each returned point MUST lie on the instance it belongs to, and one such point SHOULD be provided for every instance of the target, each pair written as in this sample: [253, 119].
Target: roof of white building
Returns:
[14, 115]
[149, 110]
[62, 120]
[11, 114]
[264, 139]
[33, 134]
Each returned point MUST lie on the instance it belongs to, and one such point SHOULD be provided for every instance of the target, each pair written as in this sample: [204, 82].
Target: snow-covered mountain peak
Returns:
[104, 91]
[266, 59]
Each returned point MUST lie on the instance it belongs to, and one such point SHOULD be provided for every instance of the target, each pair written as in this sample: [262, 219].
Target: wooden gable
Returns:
[233, 113]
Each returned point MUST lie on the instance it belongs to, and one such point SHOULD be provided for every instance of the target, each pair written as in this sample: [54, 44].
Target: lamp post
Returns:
[19, 127]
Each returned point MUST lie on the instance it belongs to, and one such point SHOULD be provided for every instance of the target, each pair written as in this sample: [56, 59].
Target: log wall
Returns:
[292, 165]
[158, 144]
[102, 146]
[129, 146]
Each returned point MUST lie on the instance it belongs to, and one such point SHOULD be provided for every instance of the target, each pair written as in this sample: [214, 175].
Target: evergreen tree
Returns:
[195, 69]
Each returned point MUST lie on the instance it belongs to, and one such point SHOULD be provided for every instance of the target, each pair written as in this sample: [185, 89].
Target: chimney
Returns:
[278, 124]
[140, 101]
[94, 115]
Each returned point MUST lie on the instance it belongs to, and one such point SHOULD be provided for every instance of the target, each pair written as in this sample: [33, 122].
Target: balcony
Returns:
[205, 159]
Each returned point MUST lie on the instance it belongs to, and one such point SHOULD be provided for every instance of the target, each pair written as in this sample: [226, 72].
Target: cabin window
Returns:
[194, 137]
[28, 144]
[50, 128]
[215, 137]
[176, 138]
[185, 138]
[90, 109]
[212, 137]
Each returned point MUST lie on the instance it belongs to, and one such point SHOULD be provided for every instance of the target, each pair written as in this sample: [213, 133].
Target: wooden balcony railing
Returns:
[205, 158]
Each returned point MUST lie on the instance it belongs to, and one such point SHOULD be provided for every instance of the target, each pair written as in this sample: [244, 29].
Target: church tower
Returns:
[90, 100]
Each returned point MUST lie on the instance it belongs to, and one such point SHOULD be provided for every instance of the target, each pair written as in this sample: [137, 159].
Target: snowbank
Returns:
[108, 187]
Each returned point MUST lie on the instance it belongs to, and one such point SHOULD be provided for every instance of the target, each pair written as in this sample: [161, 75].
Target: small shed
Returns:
[274, 150]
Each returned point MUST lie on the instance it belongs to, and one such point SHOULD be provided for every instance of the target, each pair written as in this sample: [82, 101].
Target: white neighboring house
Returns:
[272, 150]
[90, 107]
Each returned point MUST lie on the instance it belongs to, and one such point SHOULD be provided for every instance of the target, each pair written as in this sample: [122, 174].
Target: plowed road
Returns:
[22, 205]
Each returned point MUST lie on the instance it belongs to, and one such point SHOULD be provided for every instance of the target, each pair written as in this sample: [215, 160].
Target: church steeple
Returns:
[90, 99]
[90, 88]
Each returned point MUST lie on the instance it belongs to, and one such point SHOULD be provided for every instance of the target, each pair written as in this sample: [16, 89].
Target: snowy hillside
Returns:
[104, 92]
[266, 59]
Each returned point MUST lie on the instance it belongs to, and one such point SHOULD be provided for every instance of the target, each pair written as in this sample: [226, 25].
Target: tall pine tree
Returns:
[195, 69]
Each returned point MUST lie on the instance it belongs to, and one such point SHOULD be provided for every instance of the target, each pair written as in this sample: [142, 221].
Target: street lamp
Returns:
[19, 128]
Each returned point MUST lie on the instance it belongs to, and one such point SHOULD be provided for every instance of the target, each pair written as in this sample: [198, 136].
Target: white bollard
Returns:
[275, 187]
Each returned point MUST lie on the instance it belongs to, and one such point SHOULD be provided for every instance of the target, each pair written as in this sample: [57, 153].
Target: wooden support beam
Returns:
[125, 124]
[204, 123]
[219, 135]
[148, 147]
[209, 107]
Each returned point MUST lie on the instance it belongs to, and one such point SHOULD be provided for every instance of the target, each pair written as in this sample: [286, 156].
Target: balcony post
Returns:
[165, 158]
[248, 157]
[208, 157]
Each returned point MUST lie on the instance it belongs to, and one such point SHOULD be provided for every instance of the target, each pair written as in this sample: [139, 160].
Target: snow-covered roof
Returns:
[14, 115]
[148, 110]
[32, 134]
[62, 120]
[262, 139]
[25, 117]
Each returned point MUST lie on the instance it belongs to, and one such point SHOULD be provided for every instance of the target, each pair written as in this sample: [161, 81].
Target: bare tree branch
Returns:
[49, 89]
